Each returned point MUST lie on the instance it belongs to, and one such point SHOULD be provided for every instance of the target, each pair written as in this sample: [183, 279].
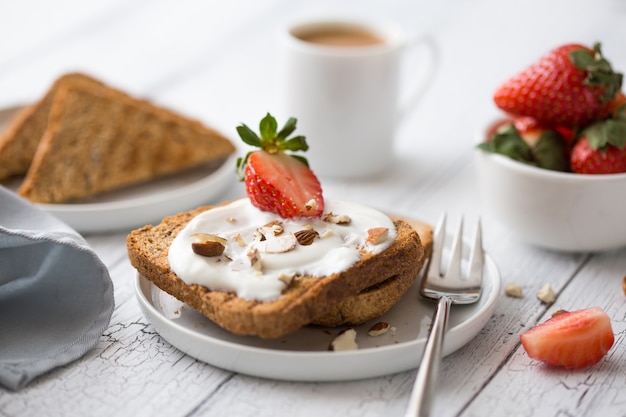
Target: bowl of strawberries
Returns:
[553, 168]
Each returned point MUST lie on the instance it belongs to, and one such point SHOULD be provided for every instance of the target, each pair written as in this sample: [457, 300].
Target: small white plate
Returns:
[304, 355]
[141, 204]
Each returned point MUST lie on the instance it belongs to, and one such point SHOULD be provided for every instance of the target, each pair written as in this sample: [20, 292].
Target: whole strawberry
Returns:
[601, 146]
[569, 86]
[591, 156]
[277, 181]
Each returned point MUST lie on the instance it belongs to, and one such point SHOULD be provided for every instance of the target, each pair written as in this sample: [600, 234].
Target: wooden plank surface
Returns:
[217, 61]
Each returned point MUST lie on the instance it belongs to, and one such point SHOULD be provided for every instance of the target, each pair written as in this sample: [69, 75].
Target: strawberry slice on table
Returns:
[275, 180]
[569, 86]
[574, 340]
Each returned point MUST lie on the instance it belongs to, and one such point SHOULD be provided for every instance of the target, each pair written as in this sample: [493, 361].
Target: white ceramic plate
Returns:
[304, 355]
[140, 204]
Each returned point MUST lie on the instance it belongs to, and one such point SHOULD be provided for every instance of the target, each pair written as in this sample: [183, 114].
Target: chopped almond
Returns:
[377, 235]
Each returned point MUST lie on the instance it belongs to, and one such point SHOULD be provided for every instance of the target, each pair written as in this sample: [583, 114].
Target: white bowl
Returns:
[554, 210]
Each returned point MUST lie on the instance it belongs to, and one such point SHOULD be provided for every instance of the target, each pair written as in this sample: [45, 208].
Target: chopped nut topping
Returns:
[208, 245]
[337, 219]
[546, 294]
[306, 237]
[377, 235]
[258, 236]
[231, 220]
[327, 233]
[208, 237]
[208, 249]
[274, 228]
[278, 244]
[240, 240]
[287, 277]
[255, 260]
[311, 204]
[513, 289]
[378, 329]
[556, 313]
[346, 340]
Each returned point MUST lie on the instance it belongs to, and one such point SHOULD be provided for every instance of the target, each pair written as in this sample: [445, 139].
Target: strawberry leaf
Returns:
[248, 136]
[507, 141]
[599, 71]
[550, 152]
[241, 165]
[271, 141]
[297, 143]
[605, 132]
[288, 129]
[268, 128]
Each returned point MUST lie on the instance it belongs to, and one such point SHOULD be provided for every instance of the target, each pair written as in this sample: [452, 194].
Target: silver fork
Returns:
[447, 289]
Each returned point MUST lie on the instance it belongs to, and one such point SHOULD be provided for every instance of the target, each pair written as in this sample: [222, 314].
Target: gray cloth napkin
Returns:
[56, 295]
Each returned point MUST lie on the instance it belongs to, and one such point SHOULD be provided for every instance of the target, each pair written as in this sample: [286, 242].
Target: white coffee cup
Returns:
[347, 98]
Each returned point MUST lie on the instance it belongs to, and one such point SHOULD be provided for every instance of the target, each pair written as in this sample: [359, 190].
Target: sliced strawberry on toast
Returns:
[574, 340]
[278, 181]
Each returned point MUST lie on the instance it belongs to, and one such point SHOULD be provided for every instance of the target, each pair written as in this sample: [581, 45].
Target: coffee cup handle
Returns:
[416, 91]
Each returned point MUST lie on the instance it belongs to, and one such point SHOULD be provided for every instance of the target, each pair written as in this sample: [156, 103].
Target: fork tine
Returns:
[475, 273]
[434, 269]
[454, 267]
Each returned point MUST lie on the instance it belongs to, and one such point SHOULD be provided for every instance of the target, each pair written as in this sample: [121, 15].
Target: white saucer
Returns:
[304, 355]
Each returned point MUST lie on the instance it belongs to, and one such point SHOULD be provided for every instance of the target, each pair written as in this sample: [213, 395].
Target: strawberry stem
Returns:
[606, 132]
[599, 71]
[271, 140]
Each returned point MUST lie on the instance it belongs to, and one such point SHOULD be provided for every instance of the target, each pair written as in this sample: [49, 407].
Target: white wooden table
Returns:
[216, 61]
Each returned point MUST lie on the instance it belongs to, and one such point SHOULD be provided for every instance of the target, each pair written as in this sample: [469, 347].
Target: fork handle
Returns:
[426, 380]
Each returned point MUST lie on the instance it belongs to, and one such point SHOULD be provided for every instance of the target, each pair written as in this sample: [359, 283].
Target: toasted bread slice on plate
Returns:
[19, 141]
[350, 295]
[84, 138]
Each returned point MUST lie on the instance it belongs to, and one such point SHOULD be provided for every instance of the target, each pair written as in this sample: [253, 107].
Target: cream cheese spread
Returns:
[253, 235]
